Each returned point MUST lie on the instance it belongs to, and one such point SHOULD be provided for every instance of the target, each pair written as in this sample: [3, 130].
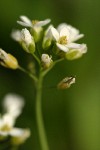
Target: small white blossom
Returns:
[13, 105]
[63, 38]
[25, 21]
[46, 60]
[65, 35]
[35, 25]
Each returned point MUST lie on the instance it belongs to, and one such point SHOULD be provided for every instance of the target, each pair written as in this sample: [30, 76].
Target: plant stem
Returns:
[39, 117]
[28, 73]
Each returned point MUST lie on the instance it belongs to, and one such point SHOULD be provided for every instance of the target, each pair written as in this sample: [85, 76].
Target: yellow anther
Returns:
[63, 40]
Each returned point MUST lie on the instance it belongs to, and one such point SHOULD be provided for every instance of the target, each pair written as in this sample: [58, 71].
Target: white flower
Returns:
[64, 38]
[46, 60]
[61, 38]
[74, 34]
[35, 25]
[18, 135]
[13, 104]
[25, 21]
[8, 60]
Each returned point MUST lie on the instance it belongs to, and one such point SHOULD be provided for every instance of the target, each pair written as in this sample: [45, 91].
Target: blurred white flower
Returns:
[35, 25]
[25, 21]
[13, 104]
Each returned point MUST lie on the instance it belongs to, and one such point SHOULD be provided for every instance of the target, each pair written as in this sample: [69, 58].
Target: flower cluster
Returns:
[46, 45]
[12, 105]
[58, 42]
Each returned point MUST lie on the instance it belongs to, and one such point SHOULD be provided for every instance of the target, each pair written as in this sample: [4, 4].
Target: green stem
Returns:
[36, 58]
[28, 73]
[39, 117]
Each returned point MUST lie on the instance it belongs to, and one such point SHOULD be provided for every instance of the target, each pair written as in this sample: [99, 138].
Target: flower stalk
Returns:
[39, 117]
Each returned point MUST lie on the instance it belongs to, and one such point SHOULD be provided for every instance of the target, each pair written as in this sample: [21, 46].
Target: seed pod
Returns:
[66, 83]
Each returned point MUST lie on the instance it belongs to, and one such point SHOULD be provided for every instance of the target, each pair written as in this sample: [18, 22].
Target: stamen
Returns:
[63, 40]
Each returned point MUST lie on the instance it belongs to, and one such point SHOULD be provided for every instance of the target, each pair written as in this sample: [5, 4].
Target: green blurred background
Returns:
[72, 117]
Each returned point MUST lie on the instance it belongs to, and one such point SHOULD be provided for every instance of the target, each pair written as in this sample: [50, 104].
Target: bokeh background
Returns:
[72, 117]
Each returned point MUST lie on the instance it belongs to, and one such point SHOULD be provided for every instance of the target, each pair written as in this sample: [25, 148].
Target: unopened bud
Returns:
[46, 61]
[27, 41]
[76, 53]
[66, 83]
[8, 60]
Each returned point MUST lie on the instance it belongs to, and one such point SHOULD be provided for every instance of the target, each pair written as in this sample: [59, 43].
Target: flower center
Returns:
[34, 22]
[5, 128]
[63, 40]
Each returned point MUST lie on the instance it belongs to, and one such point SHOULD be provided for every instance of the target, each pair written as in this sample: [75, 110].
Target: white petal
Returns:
[23, 24]
[21, 133]
[61, 26]
[4, 133]
[8, 120]
[64, 32]
[73, 46]
[48, 32]
[78, 37]
[26, 20]
[62, 47]
[42, 23]
[55, 33]
[13, 104]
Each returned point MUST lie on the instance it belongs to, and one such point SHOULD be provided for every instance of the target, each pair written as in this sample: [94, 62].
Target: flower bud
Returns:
[46, 61]
[8, 60]
[47, 40]
[27, 41]
[76, 53]
[66, 83]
